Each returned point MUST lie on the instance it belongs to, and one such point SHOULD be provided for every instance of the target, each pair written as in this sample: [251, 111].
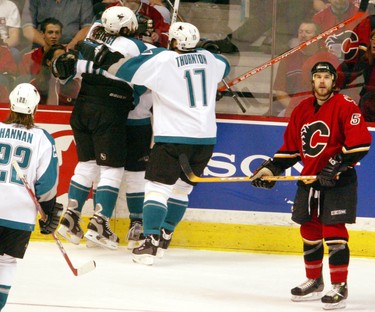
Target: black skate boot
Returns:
[146, 253]
[100, 233]
[165, 240]
[70, 227]
[309, 290]
[135, 234]
[336, 297]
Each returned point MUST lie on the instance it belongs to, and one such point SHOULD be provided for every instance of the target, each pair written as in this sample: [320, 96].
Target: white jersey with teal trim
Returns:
[34, 150]
[184, 90]
[129, 47]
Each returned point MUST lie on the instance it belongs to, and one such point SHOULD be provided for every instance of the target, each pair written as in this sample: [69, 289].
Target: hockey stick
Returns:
[234, 96]
[76, 271]
[185, 166]
[362, 9]
[178, 14]
[175, 11]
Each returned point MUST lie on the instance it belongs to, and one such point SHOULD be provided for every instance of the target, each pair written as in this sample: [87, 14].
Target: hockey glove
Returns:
[64, 66]
[104, 58]
[329, 174]
[219, 95]
[53, 213]
[267, 168]
[86, 49]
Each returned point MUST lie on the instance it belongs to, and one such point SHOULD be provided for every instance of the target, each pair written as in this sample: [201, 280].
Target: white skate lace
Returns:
[334, 291]
[307, 284]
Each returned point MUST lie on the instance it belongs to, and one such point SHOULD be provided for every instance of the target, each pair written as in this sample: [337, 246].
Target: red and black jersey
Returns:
[316, 133]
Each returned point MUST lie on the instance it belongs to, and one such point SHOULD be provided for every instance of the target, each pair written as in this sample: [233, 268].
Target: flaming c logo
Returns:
[344, 45]
[314, 138]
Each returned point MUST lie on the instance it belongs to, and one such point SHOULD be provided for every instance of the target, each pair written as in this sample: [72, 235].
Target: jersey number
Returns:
[189, 82]
[6, 153]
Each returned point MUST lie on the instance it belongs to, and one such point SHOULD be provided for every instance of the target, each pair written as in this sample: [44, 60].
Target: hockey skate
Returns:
[70, 227]
[309, 290]
[336, 297]
[100, 233]
[146, 253]
[165, 240]
[135, 235]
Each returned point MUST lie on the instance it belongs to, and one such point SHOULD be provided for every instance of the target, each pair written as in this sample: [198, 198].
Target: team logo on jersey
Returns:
[314, 138]
[103, 156]
[344, 45]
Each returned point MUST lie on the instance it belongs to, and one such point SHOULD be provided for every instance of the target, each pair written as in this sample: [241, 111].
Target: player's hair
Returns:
[50, 20]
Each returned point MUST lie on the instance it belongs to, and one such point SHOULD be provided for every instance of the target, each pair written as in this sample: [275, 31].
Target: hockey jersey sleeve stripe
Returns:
[356, 149]
[46, 186]
[129, 68]
[225, 61]
[287, 155]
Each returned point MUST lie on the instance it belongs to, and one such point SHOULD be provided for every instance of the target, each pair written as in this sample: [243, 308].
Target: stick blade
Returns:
[86, 268]
[185, 166]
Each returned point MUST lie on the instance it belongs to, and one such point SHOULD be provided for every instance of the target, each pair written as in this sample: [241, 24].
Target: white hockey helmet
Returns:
[24, 98]
[117, 17]
[186, 35]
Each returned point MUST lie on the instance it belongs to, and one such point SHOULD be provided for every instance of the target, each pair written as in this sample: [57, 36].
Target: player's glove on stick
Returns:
[53, 211]
[64, 66]
[329, 174]
[267, 168]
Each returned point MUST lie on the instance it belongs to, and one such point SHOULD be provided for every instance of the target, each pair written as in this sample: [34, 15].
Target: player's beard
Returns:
[323, 94]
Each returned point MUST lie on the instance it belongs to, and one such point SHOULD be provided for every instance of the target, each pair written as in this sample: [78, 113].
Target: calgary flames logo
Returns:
[344, 45]
[314, 138]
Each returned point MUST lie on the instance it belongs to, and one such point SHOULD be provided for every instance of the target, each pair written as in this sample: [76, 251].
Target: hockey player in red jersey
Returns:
[328, 134]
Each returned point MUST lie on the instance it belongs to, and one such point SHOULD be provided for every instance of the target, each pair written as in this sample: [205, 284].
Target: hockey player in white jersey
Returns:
[107, 158]
[35, 152]
[183, 81]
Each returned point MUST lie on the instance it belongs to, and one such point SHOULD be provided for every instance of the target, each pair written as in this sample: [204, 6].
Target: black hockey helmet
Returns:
[324, 67]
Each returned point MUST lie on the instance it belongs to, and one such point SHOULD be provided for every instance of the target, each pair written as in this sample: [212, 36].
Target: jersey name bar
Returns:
[191, 59]
[16, 134]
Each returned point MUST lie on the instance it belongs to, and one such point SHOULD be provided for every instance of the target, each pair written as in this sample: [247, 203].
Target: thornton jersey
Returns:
[34, 150]
[315, 136]
[183, 91]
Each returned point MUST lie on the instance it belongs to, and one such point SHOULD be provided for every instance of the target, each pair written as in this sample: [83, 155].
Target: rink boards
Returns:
[229, 216]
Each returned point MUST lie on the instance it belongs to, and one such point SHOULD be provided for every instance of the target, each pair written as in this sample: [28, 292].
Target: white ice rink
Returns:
[184, 280]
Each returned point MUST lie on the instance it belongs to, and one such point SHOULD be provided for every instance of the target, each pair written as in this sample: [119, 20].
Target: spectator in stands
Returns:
[31, 63]
[75, 15]
[51, 91]
[8, 70]
[364, 67]
[288, 86]
[163, 10]
[333, 14]
[289, 14]
[10, 23]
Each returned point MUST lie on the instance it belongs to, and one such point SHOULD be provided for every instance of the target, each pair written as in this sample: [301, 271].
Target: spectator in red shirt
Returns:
[335, 13]
[31, 62]
[8, 70]
[51, 91]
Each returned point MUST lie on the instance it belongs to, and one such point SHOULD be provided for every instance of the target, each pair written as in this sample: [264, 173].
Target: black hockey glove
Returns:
[219, 95]
[329, 174]
[104, 58]
[64, 66]
[53, 211]
[86, 49]
[267, 168]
